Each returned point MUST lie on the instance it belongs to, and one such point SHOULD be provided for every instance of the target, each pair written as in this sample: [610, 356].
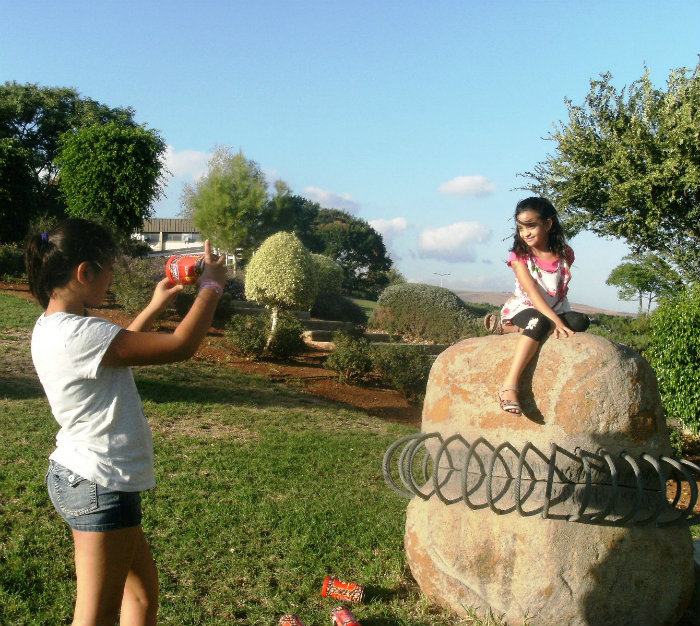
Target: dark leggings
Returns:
[537, 326]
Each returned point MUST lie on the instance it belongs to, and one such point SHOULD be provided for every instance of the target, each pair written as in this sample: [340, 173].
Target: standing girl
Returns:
[541, 260]
[104, 449]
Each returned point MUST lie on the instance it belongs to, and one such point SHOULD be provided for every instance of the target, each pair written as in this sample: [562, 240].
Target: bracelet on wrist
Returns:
[211, 284]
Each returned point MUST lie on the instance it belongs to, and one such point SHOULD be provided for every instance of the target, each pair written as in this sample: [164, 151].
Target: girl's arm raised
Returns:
[133, 347]
[530, 288]
[163, 295]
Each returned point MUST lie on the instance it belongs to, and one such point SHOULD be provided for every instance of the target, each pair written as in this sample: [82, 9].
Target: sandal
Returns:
[493, 324]
[507, 405]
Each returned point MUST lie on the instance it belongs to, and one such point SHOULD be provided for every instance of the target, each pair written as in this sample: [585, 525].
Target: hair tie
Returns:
[44, 237]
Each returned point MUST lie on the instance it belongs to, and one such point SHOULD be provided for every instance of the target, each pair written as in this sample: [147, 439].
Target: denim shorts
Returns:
[88, 506]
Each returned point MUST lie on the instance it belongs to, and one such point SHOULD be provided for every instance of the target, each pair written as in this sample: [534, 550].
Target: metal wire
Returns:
[596, 488]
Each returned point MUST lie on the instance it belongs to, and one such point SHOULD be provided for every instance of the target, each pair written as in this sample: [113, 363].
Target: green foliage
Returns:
[227, 202]
[290, 213]
[287, 340]
[351, 357]
[248, 334]
[329, 273]
[111, 172]
[644, 276]
[281, 274]
[331, 306]
[628, 330]
[32, 122]
[627, 165]
[11, 262]
[674, 352]
[134, 282]
[357, 247]
[424, 313]
[405, 368]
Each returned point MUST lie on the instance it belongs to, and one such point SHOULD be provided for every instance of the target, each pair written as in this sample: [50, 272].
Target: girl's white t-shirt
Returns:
[104, 434]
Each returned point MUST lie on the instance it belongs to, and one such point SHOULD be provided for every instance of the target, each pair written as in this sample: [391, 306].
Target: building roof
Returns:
[168, 225]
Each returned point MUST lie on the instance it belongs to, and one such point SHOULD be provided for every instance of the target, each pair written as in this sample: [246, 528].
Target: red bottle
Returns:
[342, 590]
[290, 620]
[342, 617]
[184, 269]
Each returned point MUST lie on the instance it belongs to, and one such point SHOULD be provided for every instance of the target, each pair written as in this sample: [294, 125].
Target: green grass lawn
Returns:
[262, 492]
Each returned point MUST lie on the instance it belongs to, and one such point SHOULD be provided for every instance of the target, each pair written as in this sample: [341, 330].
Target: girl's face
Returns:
[533, 230]
[100, 284]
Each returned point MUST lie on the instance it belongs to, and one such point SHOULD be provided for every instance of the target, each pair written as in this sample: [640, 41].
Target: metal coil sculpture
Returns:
[595, 488]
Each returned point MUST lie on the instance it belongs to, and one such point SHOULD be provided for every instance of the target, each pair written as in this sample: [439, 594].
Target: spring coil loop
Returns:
[636, 500]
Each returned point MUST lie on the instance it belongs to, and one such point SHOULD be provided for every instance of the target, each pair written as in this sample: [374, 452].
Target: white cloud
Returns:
[468, 186]
[452, 243]
[389, 228]
[332, 200]
[186, 163]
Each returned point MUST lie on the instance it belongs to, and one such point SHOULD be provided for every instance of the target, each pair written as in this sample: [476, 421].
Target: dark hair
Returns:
[51, 257]
[546, 211]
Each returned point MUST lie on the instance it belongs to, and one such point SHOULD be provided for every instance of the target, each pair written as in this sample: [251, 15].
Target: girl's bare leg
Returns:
[104, 562]
[140, 601]
[524, 351]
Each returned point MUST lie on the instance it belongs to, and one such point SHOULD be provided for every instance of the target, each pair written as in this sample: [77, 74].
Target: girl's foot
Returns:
[493, 324]
[509, 405]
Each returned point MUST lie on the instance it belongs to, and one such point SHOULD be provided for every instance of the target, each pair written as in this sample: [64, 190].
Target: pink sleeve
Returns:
[514, 257]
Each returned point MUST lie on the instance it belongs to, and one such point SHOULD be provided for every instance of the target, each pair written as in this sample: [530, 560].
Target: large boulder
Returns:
[585, 395]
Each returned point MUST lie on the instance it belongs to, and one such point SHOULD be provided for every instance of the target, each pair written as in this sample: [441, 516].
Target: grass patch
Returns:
[262, 492]
[367, 306]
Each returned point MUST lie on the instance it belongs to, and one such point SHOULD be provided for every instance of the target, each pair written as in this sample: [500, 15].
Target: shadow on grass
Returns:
[20, 387]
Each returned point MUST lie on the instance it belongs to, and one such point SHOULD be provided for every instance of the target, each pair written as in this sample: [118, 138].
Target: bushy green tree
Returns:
[111, 172]
[32, 122]
[674, 353]
[291, 213]
[644, 277]
[226, 204]
[627, 164]
[280, 276]
[357, 247]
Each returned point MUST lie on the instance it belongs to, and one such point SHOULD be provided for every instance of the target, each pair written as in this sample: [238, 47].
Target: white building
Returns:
[170, 236]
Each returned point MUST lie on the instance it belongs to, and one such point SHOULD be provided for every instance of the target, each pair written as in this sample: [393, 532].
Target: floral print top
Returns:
[552, 280]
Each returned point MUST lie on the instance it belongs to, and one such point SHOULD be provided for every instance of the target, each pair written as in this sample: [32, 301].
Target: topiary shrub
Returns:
[248, 334]
[11, 262]
[674, 353]
[287, 340]
[332, 306]
[281, 276]
[351, 357]
[329, 273]
[404, 368]
[419, 312]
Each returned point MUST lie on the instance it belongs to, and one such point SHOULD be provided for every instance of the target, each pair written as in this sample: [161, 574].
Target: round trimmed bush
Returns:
[674, 353]
[419, 312]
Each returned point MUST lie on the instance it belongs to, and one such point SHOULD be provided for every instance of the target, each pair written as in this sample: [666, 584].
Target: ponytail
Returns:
[50, 258]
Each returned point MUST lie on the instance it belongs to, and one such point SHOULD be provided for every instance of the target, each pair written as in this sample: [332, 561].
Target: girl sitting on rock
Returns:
[541, 260]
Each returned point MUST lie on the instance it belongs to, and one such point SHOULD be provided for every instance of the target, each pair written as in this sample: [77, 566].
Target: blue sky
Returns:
[415, 116]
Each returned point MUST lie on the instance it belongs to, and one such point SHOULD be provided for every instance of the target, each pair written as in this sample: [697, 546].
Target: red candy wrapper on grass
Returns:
[290, 620]
[342, 617]
[342, 590]
[184, 269]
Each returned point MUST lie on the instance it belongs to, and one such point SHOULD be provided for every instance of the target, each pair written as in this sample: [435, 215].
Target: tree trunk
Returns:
[275, 314]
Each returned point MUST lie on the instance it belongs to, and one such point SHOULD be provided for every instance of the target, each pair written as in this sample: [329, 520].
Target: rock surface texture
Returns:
[582, 394]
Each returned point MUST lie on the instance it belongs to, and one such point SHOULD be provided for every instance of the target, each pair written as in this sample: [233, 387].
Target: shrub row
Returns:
[11, 262]
[403, 368]
[425, 313]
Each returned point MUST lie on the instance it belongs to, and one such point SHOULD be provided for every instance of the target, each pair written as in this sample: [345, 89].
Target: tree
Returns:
[35, 118]
[281, 276]
[644, 276]
[227, 202]
[290, 213]
[627, 165]
[357, 247]
[17, 200]
[111, 172]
